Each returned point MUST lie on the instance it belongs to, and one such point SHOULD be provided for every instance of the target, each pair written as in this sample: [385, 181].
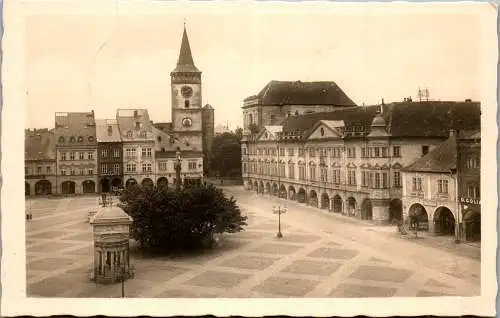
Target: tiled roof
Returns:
[470, 134]
[407, 119]
[107, 130]
[39, 144]
[185, 62]
[165, 127]
[302, 93]
[127, 121]
[441, 159]
[75, 128]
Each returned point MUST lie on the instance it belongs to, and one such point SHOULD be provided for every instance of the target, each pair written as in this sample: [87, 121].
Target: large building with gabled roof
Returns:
[279, 99]
[351, 160]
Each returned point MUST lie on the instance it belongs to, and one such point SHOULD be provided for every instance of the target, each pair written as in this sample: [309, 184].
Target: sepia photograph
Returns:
[265, 153]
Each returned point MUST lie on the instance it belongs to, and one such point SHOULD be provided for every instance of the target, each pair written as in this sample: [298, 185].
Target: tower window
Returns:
[186, 103]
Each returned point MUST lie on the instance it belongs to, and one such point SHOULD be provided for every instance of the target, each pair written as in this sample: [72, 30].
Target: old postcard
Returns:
[249, 158]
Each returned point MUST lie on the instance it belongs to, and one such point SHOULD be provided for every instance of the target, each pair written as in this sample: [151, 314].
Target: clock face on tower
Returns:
[186, 91]
[187, 122]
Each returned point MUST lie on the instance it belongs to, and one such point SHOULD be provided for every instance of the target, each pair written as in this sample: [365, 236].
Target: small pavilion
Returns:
[111, 233]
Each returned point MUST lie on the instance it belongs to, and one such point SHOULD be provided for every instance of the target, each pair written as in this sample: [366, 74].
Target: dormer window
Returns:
[80, 139]
[186, 103]
[91, 139]
[61, 140]
[159, 138]
[143, 134]
[322, 131]
[137, 125]
[72, 140]
[110, 130]
[129, 134]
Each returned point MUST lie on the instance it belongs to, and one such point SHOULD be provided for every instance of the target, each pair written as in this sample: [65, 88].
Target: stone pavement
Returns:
[307, 262]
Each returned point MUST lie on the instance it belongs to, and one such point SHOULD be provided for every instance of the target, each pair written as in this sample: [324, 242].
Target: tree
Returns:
[239, 132]
[253, 129]
[169, 220]
[226, 155]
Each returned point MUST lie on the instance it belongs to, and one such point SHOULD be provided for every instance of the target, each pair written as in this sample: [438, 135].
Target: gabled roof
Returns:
[107, 130]
[302, 93]
[185, 63]
[165, 127]
[441, 159]
[331, 125]
[39, 144]
[406, 119]
[76, 128]
[127, 121]
[271, 131]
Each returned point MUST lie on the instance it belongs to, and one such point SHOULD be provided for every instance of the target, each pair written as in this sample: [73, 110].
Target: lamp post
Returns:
[279, 210]
[178, 170]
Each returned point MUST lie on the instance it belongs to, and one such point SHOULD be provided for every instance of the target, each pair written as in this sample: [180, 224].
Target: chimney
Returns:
[383, 101]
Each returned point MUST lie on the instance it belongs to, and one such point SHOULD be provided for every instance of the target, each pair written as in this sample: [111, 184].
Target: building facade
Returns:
[110, 155]
[350, 160]
[430, 189]
[469, 184]
[76, 153]
[39, 162]
[137, 136]
[280, 99]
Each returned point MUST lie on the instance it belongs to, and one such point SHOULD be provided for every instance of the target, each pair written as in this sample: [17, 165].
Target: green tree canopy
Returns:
[226, 155]
[166, 220]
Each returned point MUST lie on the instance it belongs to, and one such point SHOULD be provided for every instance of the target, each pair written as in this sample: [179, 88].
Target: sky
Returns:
[79, 62]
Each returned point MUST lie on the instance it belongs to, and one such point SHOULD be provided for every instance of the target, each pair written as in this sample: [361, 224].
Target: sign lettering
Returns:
[470, 201]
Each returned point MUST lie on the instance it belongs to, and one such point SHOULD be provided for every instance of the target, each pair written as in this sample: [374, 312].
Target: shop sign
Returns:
[470, 201]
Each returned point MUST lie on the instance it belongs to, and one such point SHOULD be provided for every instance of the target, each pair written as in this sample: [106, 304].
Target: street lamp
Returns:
[178, 169]
[279, 210]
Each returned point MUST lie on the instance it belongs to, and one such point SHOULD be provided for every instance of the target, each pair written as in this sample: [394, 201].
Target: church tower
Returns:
[186, 99]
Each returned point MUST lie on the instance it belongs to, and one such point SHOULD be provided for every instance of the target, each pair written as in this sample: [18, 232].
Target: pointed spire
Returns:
[185, 62]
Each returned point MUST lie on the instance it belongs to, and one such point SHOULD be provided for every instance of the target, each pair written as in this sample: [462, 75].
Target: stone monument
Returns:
[111, 233]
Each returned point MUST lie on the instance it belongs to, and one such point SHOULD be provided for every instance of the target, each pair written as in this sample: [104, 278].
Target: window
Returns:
[291, 152]
[72, 172]
[72, 140]
[110, 130]
[397, 179]
[301, 152]
[473, 162]
[377, 151]
[312, 172]
[273, 119]
[384, 152]
[291, 171]
[129, 134]
[336, 176]
[137, 125]
[80, 139]
[473, 191]
[425, 150]
[104, 168]
[282, 151]
[363, 152]
[384, 180]
[72, 156]
[364, 179]
[104, 153]
[90, 155]
[163, 165]
[131, 167]
[116, 152]
[146, 152]
[49, 170]
[63, 156]
[82, 155]
[396, 151]
[351, 177]
[39, 170]
[244, 168]
[146, 167]
[324, 174]
[25, 170]
[351, 152]
[91, 139]
[312, 152]
[417, 184]
[192, 165]
[130, 152]
[116, 168]
[90, 172]
[302, 172]
[81, 172]
[61, 140]
[443, 186]
[186, 103]
[63, 172]
[377, 181]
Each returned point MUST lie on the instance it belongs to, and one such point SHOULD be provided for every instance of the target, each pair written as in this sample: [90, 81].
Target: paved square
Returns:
[358, 291]
[309, 267]
[291, 287]
[249, 262]
[217, 279]
[381, 273]
[333, 253]
[315, 252]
